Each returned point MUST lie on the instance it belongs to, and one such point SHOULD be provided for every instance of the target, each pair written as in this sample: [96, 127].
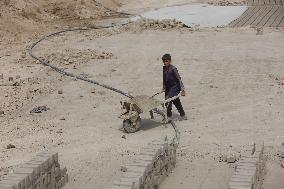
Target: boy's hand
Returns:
[182, 93]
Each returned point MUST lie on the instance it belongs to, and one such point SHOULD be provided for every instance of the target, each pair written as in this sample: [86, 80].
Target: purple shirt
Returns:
[172, 83]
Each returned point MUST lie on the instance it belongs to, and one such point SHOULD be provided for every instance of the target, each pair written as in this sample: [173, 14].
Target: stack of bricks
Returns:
[249, 170]
[152, 165]
[41, 172]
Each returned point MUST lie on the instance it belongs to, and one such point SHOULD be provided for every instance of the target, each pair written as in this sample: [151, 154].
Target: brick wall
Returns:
[41, 172]
[152, 165]
[249, 170]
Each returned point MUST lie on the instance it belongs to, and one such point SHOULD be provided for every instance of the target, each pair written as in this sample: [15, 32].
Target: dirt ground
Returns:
[233, 77]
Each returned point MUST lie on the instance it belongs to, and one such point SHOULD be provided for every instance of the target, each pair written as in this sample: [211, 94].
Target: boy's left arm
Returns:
[180, 82]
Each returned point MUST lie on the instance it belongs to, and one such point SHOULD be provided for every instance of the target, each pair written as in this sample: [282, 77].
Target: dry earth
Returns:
[234, 80]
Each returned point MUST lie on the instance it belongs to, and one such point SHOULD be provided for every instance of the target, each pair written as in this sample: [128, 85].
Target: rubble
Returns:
[75, 57]
[227, 3]
[39, 109]
[166, 24]
[10, 146]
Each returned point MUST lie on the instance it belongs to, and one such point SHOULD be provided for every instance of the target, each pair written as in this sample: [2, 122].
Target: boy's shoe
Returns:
[183, 118]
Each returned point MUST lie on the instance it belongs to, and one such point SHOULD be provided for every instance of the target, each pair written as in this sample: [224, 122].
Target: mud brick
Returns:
[135, 169]
[62, 181]
[45, 179]
[4, 187]
[141, 163]
[57, 172]
[59, 183]
[53, 155]
[245, 166]
[125, 184]
[64, 171]
[66, 177]
[149, 159]
[244, 184]
[245, 172]
[10, 183]
[158, 143]
[136, 180]
[248, 180]
[249, 159]
[52, 180]
[46, 157]
[28, 171]
[44, 162]
[22, 179]
[150, 152]
[36, 165]
[132, 175]
[240, 187]
[120, 187]
[243, 177]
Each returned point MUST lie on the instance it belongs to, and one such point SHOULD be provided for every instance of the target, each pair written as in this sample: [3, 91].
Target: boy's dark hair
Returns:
[166, 57]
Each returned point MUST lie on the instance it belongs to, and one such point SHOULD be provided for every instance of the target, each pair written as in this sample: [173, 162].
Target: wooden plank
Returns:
[262, 16]
[246, 17]
[254, 16]
[273, 17]
[268, 16]
[243, 16]
[278, 19]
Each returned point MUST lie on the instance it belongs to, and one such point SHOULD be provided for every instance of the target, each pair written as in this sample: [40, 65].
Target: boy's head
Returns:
[167, 59]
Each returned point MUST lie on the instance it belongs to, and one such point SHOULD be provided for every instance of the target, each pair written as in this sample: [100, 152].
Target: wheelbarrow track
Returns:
[63, 72]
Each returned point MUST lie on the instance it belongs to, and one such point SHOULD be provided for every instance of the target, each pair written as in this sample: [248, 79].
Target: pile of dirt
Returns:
[21, 19]
[75, 57]
[227, 3]
[166, 24]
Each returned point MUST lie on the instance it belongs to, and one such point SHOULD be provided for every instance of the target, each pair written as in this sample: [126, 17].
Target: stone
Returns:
[231, 158]
[2, 112]
[123, 169]
[10, 146]
[60, 92]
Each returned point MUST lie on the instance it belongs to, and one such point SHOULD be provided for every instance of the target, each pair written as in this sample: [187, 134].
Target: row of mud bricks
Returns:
[154, 162]
[249, 170]
[41, 172]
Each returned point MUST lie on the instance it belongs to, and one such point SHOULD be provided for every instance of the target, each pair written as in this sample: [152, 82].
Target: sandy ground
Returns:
[234, 80]
[233, 99]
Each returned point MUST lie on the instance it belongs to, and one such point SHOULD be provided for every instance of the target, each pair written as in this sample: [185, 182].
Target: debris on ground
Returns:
[75, 57]
[123, 169]
[10, 146]
[166, 24]
[227, 3]
[39, 109]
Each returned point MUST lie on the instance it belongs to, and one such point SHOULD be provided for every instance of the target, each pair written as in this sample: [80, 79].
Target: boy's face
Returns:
[167, 62]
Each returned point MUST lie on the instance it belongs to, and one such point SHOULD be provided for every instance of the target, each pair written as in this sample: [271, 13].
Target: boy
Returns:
[172, 85]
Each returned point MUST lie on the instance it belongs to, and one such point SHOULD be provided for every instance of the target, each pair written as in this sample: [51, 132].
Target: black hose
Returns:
[62, 71]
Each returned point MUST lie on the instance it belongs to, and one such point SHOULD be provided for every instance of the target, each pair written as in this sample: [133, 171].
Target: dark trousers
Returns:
[177, 104]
